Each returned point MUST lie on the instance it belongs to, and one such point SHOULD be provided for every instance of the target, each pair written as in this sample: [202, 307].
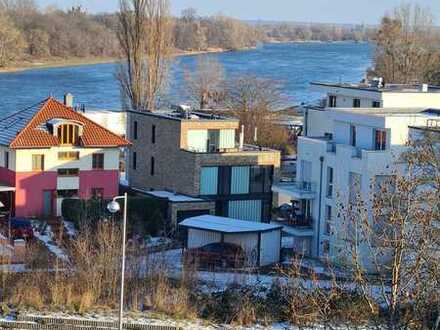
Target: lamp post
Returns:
[114, 207]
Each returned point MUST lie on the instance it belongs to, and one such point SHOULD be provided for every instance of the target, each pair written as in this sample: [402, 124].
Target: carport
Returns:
[261, 242]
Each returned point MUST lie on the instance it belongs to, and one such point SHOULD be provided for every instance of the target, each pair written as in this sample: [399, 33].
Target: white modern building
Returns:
[348, 151]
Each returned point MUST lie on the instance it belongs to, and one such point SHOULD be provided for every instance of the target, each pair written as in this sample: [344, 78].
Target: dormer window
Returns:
[68, 134]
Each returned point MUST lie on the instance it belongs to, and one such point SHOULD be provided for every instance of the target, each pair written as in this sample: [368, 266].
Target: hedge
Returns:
[146, 216]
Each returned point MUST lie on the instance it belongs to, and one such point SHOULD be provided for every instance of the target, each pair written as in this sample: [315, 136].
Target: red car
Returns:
[21, 229]
[216, 254]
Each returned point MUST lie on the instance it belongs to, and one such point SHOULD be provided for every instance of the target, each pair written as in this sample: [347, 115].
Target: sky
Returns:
[323, 11]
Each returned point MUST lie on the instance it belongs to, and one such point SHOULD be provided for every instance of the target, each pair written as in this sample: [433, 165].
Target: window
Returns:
[68, 171]
[224, 180]
[153, 134]
[356, 103]
[240, 178]
[261, 178]
[152, 166]
[353, 135]
[329, 192]
[380, 139]
[134, 160]
[98, 193]
[68, 134]
[67, 193]
[98, 161]
[68, 155]
[6, 159]
[375, 104]
[209, 181]
[135, 130]
[37, 162]
[332, 101]
[328, 219]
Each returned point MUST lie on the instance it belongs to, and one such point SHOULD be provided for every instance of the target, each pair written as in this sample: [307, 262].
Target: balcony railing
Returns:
[298, 221]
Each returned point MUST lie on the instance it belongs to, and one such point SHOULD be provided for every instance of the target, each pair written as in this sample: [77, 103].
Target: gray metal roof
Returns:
[11, 125]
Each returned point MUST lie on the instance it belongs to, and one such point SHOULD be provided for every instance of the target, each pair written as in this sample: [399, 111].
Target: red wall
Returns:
[29, 200]
[7, 176]
[29, 192]
[106, 179]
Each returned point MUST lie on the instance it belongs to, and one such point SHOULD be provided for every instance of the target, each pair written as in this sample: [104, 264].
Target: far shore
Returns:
[69, 62]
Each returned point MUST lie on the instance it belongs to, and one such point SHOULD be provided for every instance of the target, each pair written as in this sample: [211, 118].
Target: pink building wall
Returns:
[7, 176]
[30, 187]
[106, 179]
[29, 192]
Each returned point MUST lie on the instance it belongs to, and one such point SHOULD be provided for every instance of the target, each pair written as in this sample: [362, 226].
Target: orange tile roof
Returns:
[33, 136]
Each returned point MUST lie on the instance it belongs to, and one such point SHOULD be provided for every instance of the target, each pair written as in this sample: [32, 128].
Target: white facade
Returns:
[346, 151]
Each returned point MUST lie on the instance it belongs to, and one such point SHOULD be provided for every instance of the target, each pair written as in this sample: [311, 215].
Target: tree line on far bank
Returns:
[28, 33]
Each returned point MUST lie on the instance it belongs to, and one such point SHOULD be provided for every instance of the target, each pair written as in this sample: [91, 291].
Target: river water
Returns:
[294, 65]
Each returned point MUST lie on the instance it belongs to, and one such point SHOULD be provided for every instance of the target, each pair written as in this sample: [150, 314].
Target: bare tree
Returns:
[394, 235]
[144, 35]
[255, 101]
[206, 83]
[405, 46]
[12, 43]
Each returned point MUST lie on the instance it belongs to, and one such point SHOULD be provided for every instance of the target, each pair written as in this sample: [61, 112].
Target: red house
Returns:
[49, 152]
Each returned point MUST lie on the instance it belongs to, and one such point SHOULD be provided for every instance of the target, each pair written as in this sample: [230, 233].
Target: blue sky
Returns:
[329, 11]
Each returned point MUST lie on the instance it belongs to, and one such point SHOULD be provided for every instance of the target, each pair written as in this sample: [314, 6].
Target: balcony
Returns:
[296, 190]
[298, 225]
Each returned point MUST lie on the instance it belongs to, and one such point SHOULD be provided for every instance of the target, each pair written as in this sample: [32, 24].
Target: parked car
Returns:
[217, 254]
[21, 229]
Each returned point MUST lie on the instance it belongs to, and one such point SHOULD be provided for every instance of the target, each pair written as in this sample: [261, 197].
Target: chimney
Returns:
[242, 137]
[425, 88]
[68, 100]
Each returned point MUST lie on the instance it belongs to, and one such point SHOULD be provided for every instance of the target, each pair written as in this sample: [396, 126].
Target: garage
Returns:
[261, 242]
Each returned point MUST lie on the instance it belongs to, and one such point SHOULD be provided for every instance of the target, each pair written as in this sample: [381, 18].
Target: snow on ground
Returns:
[47, 240]
[70, 228]
[158, 241]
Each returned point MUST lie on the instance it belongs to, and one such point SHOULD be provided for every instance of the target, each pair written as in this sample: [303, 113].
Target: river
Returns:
[294, 65]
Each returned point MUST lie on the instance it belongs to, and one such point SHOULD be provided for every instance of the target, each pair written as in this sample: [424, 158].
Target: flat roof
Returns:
[170, 196]
[227, 225]
[180, 115]
[388, 88]
[174, 197]
[388, 111]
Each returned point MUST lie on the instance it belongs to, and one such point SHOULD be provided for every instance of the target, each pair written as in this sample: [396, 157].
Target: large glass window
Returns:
[224, 180]
[209, 180]
[240, 179]
[260, 179]
[249, 210]
[356, 103]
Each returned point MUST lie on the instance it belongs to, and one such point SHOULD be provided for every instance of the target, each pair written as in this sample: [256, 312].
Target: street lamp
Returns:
[114, 207]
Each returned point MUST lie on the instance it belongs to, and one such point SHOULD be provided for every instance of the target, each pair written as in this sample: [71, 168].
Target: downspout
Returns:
[318, 223]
